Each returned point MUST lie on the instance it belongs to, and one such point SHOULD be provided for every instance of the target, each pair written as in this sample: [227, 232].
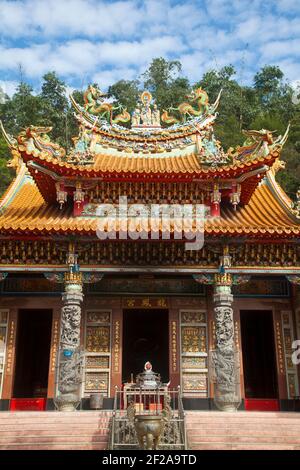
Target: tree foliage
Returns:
[266, 103]
[125, 92]
[163, 79]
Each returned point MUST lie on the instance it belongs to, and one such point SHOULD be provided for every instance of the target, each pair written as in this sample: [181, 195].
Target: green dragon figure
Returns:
[196, 106]
[94, 103]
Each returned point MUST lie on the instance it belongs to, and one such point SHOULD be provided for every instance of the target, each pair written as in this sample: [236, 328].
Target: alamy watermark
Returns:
[296, 353]
[152, 222]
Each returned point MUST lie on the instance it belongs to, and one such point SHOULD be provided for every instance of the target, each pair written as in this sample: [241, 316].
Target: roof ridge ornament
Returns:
[95, 103]
[144, 116]
[259, 143]
[12, 143]
[197, 104]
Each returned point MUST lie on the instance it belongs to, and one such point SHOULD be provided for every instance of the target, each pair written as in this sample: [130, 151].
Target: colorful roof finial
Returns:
[144, 116]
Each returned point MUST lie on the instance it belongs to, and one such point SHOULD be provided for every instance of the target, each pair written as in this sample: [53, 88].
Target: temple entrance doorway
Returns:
[32, 353]
[145, 338]
[259, 359]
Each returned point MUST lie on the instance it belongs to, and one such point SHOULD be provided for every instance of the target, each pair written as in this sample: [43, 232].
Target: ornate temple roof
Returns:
[157, 147]
[24, 211]
[55, 192]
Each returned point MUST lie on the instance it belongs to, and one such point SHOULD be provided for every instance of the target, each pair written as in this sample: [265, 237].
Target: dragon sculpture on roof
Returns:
[94, 103]
[258, 143]
[197, 105]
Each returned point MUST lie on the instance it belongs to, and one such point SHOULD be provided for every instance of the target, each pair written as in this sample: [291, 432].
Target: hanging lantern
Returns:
[235, 195]
[78, 194]
[72, 260]
[61, 194]
[225, 259]
[215, 198]
[216, 195]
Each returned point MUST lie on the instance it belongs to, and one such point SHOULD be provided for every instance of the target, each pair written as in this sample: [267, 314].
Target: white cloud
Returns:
[260, 28]
[54, 18]
[110, 40]
[95, 19]
[278, 49]
[80, 57]
[290, 6]
[290, 68]
[106, 78]
[8, 86]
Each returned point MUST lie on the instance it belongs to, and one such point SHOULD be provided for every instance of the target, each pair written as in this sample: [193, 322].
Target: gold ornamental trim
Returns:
[223, 279]
[73, 278]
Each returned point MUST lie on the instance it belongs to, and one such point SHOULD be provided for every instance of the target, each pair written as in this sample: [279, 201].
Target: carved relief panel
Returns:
[97, 352]
[194, 369]
[3, 344]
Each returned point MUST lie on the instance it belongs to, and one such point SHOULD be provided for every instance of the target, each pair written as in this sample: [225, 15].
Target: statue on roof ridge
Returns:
[144, 116]
[94, 103]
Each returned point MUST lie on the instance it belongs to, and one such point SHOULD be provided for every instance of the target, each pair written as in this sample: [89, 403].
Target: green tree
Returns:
[22, 110]
[5, 172]
[72, 123]
[126, 93]
[163, 79]
[273, 92]
[237, 107]
[55, 108]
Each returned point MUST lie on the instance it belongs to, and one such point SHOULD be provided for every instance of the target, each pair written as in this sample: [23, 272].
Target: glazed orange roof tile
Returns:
[24, 211]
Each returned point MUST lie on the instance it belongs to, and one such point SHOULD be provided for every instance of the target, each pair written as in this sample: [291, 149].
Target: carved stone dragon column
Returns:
[225, 360]
[69, 373]
[70, 357]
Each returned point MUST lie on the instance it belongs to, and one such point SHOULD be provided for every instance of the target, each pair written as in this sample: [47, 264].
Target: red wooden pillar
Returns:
[116, 351]
[211, 330]
[174, 348]
[10, 360]
[280, 359]
[55, 336]
[238, 345]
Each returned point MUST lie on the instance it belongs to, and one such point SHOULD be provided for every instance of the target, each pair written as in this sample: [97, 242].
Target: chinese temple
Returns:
[89, 294]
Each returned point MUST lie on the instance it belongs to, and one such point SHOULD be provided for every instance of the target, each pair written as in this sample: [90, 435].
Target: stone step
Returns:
[241, 413]
[53, 414]
[39, 429]
[237, 426]
[54, 432]
[242, 419]
[82, 430]
[243, 430]
[53, 439]
[264, 422]
[65, 446]
[249, 431]
[53, 417]
[256, 446]
[53, 423]
[292, 440]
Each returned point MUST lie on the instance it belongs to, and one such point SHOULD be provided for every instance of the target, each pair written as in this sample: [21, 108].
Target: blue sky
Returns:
[104, 41]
